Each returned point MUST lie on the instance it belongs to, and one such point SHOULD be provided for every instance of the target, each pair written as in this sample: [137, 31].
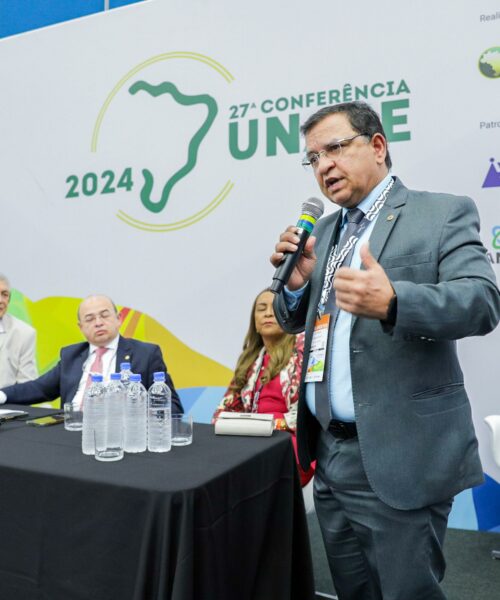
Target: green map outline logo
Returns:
[169, 88]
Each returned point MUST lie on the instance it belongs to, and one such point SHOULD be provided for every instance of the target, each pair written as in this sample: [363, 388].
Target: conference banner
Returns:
[153, 153]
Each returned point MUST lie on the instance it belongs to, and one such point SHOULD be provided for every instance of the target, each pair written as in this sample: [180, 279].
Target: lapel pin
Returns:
[127, 357]
[390, 217]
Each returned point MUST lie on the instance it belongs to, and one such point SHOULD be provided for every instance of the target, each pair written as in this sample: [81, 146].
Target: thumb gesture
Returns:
[364, 293]
[367, 258]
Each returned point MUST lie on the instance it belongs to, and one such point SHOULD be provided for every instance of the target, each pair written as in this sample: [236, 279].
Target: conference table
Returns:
[221, 519]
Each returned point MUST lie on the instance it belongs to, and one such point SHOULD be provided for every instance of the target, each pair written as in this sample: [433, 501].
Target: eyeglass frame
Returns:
[331, 147]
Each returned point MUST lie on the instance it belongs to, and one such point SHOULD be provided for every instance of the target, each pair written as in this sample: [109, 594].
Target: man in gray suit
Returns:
[383, 290]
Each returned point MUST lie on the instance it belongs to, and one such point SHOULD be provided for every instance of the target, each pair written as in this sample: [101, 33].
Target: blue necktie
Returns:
[322, 396]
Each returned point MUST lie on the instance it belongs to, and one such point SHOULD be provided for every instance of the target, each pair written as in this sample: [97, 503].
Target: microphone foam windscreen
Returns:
[313, 207]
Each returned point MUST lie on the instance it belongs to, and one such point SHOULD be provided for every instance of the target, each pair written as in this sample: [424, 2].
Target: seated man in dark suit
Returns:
[103, 352]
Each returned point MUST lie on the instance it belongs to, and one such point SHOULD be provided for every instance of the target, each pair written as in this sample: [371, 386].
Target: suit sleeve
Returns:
[158, 364]
[45, 388]
[465, 300]
[292, 321]
[27, 369]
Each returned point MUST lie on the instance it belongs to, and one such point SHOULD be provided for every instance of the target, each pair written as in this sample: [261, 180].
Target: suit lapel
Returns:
[324, 253]
[387, 218]
[7, 326]
[123, 352]
[336, 220]
[75, 368]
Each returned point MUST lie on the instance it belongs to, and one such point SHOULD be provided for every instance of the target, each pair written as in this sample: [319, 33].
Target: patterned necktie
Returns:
[96, 366]
[322, 396]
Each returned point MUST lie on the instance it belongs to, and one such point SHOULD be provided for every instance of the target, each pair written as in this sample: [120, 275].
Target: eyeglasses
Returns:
[333, 150]
[104, 315]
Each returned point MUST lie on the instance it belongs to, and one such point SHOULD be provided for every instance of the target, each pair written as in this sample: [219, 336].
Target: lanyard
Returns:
[258, 387]
[338, 255]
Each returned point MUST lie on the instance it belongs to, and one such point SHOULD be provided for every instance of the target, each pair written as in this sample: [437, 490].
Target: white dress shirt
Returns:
[108, 367]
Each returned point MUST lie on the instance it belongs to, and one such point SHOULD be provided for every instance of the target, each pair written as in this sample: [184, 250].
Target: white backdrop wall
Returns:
[85, 109]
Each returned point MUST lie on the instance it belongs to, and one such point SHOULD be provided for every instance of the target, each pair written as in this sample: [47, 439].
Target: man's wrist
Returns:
[392, 311]
[292, 298]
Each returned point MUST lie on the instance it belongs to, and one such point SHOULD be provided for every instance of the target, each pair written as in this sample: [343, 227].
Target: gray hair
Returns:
[5, 280]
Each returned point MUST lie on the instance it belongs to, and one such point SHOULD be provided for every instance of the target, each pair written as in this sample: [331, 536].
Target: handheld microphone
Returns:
[312, 210]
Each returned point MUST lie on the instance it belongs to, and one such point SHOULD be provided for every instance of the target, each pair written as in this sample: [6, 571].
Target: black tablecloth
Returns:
[222, 519]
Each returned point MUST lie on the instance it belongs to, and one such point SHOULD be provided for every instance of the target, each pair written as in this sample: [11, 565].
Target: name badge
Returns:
[317, 355]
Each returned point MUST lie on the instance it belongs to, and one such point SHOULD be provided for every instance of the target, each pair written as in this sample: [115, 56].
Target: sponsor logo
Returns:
[489, 62]
[492, 178]
[494, 256]
[495, 242]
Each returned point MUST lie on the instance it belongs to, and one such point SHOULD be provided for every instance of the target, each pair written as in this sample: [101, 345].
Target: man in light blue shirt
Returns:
[388, 420]
[340, 378]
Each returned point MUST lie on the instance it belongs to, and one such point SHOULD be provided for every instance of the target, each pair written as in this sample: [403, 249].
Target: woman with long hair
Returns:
[267, 374]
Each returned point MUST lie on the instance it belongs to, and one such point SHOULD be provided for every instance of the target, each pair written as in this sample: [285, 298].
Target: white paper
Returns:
[5, 412]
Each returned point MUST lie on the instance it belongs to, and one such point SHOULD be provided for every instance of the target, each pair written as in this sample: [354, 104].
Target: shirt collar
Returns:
[2, 326]
[369, 201]
[113, 345]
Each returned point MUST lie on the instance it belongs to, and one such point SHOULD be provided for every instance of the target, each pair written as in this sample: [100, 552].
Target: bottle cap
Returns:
[125, 366]
[135, 377]
[96, 377]
[159, 376]
[115, 376]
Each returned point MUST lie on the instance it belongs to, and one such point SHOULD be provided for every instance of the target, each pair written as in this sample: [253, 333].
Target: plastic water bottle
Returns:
[136, 414]
[159, 415]
[93, 412]
[114, 409]
[125, 373]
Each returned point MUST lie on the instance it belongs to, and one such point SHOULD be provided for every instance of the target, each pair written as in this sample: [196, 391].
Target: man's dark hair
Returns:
[362, 117]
